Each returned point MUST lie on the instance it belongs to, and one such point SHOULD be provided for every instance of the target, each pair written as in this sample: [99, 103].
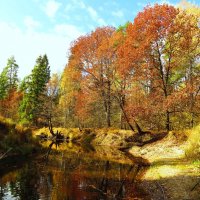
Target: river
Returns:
[71, 172]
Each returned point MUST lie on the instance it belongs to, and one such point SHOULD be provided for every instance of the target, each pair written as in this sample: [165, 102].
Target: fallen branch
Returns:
[2, 156]
[195, 186]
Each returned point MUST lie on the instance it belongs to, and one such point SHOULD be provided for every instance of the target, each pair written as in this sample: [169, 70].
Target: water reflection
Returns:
[74, 173]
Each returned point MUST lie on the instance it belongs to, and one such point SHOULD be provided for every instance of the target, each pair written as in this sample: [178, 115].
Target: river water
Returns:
[74, 173]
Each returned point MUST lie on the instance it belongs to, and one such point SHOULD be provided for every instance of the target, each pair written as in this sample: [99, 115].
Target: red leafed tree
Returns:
[94, 58]
[149, 69]
[10, 105]
[147, 55]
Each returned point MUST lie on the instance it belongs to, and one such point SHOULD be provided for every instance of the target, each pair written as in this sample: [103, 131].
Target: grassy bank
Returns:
[105, 136]
[16, 139]
[183, 144]
[188, 139]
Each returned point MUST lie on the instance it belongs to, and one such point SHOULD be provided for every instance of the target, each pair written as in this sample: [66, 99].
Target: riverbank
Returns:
[16, 140]
[151, 146]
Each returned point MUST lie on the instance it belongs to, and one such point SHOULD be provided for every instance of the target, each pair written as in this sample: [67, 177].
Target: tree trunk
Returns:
[51, 127]
[107, 104]
[121, 120]
[126, 117]
[168, 120]
[191, 95]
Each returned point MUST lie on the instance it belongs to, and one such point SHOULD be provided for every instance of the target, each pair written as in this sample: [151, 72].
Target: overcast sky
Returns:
[29, 28]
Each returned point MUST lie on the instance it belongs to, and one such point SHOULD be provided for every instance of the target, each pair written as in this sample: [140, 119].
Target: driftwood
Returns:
[51, 127]
[118, 195]
[58, 135]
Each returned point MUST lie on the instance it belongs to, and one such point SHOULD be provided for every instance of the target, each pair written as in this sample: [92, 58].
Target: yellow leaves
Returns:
[190, 8]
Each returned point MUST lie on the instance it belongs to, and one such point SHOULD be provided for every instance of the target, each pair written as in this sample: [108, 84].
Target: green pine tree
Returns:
[33, 87]
[9, 78]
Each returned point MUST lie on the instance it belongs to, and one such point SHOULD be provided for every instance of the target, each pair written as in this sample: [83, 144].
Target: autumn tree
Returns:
[9, 96]
[94, 58]
[187, 57]
[9, 106]
[49, 112]
[69, 89]
[147, 53]
[148, 68]
[189, 7]
[122, 78]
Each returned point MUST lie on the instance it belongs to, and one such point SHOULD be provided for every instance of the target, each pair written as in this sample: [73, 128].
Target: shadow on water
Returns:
[72, 172]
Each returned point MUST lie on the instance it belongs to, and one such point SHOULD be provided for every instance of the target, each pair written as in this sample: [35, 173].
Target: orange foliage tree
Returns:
[9, 106]
[150, 54]
[94, 59]
[149, 69]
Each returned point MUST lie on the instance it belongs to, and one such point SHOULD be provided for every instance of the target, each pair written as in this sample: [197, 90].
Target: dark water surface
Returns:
[74, 173]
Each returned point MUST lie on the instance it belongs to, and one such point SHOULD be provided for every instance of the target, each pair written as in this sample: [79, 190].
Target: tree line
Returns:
[145, 71]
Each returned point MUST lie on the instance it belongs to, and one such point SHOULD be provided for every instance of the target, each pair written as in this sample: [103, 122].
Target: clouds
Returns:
[26, 46]
[118, 13]
[90, 13]
[68, 30]
[51, 8]
[30, 23]
[94, 16]
[49, 26]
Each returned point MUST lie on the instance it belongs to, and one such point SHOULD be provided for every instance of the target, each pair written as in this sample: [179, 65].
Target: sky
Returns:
[29, 28]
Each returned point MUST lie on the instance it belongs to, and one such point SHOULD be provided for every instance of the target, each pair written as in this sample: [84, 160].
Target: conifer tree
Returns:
[33, 87]
[8, 77]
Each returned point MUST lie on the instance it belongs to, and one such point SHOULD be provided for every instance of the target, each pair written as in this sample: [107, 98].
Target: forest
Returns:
[146, 71]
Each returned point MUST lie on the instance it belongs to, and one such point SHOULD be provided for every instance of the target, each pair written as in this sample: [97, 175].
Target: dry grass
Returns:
[16, 137]
[193, 142]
